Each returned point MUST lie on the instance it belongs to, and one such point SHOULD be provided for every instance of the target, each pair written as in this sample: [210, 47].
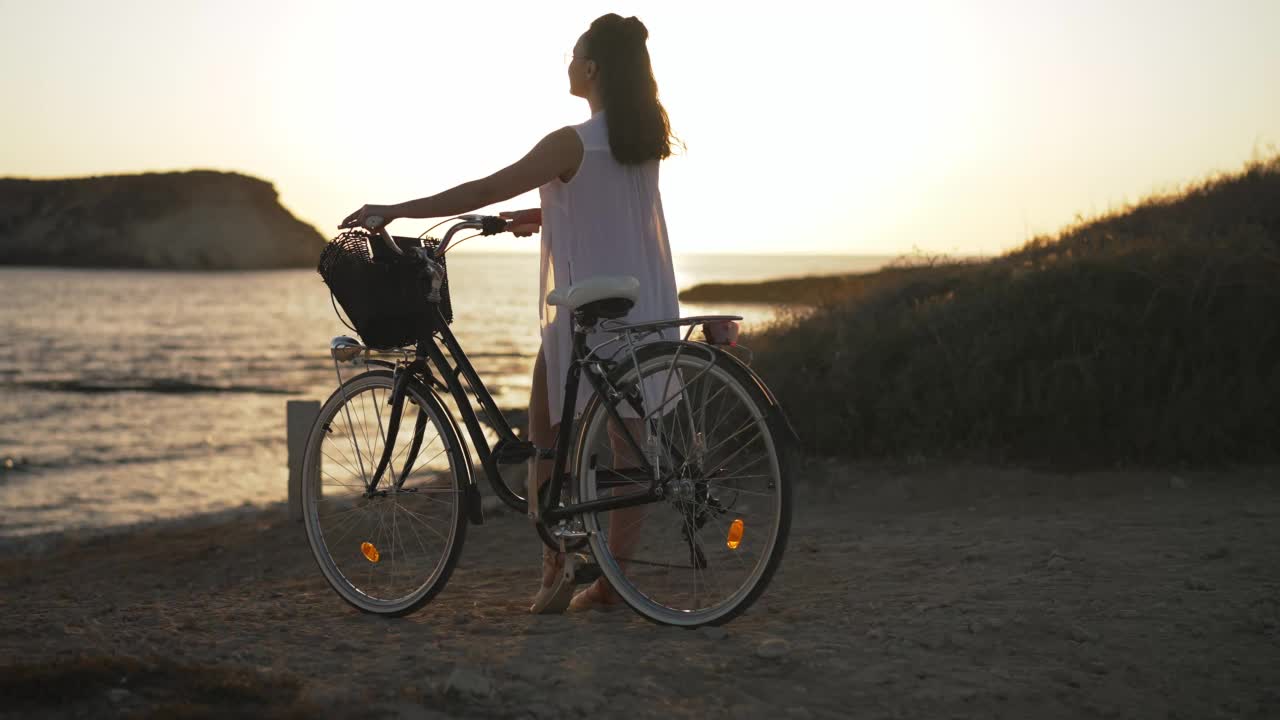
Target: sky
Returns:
[810, 127]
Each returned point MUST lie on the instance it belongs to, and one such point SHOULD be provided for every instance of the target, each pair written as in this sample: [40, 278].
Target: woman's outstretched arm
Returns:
[556, 155]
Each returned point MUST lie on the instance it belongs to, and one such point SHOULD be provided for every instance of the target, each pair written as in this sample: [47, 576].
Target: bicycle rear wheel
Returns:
[704, 552]
[387, 552]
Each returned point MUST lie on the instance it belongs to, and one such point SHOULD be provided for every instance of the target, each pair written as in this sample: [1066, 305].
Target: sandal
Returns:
[557, 585]
[598, 596]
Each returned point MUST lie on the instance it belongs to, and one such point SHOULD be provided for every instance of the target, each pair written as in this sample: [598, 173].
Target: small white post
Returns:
[300, 416]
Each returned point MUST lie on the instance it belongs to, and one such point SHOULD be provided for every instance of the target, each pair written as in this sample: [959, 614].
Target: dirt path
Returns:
[906, 592]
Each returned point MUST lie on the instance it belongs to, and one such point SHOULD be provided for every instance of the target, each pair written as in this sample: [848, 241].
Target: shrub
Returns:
[1149, 335]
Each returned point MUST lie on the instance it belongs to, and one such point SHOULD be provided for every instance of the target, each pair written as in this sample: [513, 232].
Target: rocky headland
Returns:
[196, 220]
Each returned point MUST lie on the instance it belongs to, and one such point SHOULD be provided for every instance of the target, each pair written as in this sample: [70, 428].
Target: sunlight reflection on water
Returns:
[128, 396]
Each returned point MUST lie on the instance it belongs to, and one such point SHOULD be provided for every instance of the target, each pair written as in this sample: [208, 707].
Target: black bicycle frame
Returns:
[461, 370]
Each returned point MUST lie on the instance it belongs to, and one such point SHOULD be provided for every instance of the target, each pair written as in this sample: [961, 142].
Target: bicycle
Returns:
[677, 474]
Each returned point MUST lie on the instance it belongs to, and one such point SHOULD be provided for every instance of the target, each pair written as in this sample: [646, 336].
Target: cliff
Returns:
[197, 220]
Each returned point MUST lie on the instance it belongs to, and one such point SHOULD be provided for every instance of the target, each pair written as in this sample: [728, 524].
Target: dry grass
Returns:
[1149, 335]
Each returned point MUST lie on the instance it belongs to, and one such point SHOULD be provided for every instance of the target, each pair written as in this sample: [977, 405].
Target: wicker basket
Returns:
[385, 295]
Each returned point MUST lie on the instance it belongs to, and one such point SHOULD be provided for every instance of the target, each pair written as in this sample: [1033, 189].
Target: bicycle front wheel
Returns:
[705, 551]
[391, 550]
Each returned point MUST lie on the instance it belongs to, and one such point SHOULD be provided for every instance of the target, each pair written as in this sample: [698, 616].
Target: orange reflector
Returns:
[735, 535]
[371, 552]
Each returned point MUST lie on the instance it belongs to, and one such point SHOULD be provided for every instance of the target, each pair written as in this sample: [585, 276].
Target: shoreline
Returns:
[41, 544]
[886, 480]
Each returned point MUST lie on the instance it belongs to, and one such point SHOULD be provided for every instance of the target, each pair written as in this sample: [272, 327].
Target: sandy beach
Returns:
[908, 591]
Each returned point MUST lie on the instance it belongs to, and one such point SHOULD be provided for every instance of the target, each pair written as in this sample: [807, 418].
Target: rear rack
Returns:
[615, 326]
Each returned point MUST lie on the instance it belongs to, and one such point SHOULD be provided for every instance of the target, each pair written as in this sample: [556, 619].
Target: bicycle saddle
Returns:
[597, 287]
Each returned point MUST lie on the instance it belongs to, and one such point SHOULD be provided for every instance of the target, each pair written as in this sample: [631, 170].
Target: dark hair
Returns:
[638, 126]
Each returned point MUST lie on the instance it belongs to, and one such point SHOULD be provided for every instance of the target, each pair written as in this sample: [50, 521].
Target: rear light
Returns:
[721, 332]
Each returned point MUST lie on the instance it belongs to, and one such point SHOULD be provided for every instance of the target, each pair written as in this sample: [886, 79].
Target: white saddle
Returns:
[597, 287]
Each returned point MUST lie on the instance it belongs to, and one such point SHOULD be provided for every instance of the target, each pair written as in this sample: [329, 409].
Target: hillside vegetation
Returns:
[1148, 335]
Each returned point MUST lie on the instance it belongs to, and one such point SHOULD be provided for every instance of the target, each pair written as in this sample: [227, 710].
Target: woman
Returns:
[601, 214]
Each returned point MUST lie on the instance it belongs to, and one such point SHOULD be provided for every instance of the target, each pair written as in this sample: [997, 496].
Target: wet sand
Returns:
[914, 591]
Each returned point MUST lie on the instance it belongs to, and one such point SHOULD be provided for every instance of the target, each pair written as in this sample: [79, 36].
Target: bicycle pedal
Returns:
[581, 570]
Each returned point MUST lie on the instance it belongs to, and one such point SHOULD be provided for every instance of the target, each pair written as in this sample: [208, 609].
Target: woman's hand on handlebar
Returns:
[357, 218]
[523, 223]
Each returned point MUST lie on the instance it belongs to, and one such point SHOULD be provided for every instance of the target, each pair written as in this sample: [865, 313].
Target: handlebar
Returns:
[486, 224]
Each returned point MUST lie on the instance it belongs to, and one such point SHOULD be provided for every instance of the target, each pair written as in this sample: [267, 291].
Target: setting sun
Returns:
[856, 128]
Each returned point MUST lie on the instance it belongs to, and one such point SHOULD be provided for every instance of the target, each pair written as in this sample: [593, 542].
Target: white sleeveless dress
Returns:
[607, 220]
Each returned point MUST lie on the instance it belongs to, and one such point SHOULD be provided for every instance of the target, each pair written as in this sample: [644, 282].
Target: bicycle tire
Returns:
[779, 439]
[337, 574]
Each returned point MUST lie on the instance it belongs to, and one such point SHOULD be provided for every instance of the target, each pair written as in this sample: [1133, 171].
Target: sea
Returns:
[131, 397]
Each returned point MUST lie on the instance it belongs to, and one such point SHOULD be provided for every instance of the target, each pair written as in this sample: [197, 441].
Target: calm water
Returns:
[129, 396]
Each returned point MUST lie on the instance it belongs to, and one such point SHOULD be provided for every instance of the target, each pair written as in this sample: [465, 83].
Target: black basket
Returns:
[384, 294]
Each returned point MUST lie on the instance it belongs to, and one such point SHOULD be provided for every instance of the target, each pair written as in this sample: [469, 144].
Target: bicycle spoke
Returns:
[347, 525]
[711, 560]
[340, 513]
[741, 429]
[393, 548]
[733, 511]
[432, 459]
[376, 538]
[401, 451]
[745, 465]
[719, 418]
[749, 492]
[425, 522]
[690, 539]
[336, 481]
[413, 528]
[379, 440]
[339, 450]
[427, 495]
[425, 448]
[346, 408]
[335, 461]
[415, 533]
[739, 451]
[713, 438]
[638, 520]
[711, 567]
[692, 429]
[364, 432]
[377, 409]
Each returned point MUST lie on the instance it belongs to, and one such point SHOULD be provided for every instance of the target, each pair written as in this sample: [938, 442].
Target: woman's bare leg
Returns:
[542, 434]
[624, 523]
